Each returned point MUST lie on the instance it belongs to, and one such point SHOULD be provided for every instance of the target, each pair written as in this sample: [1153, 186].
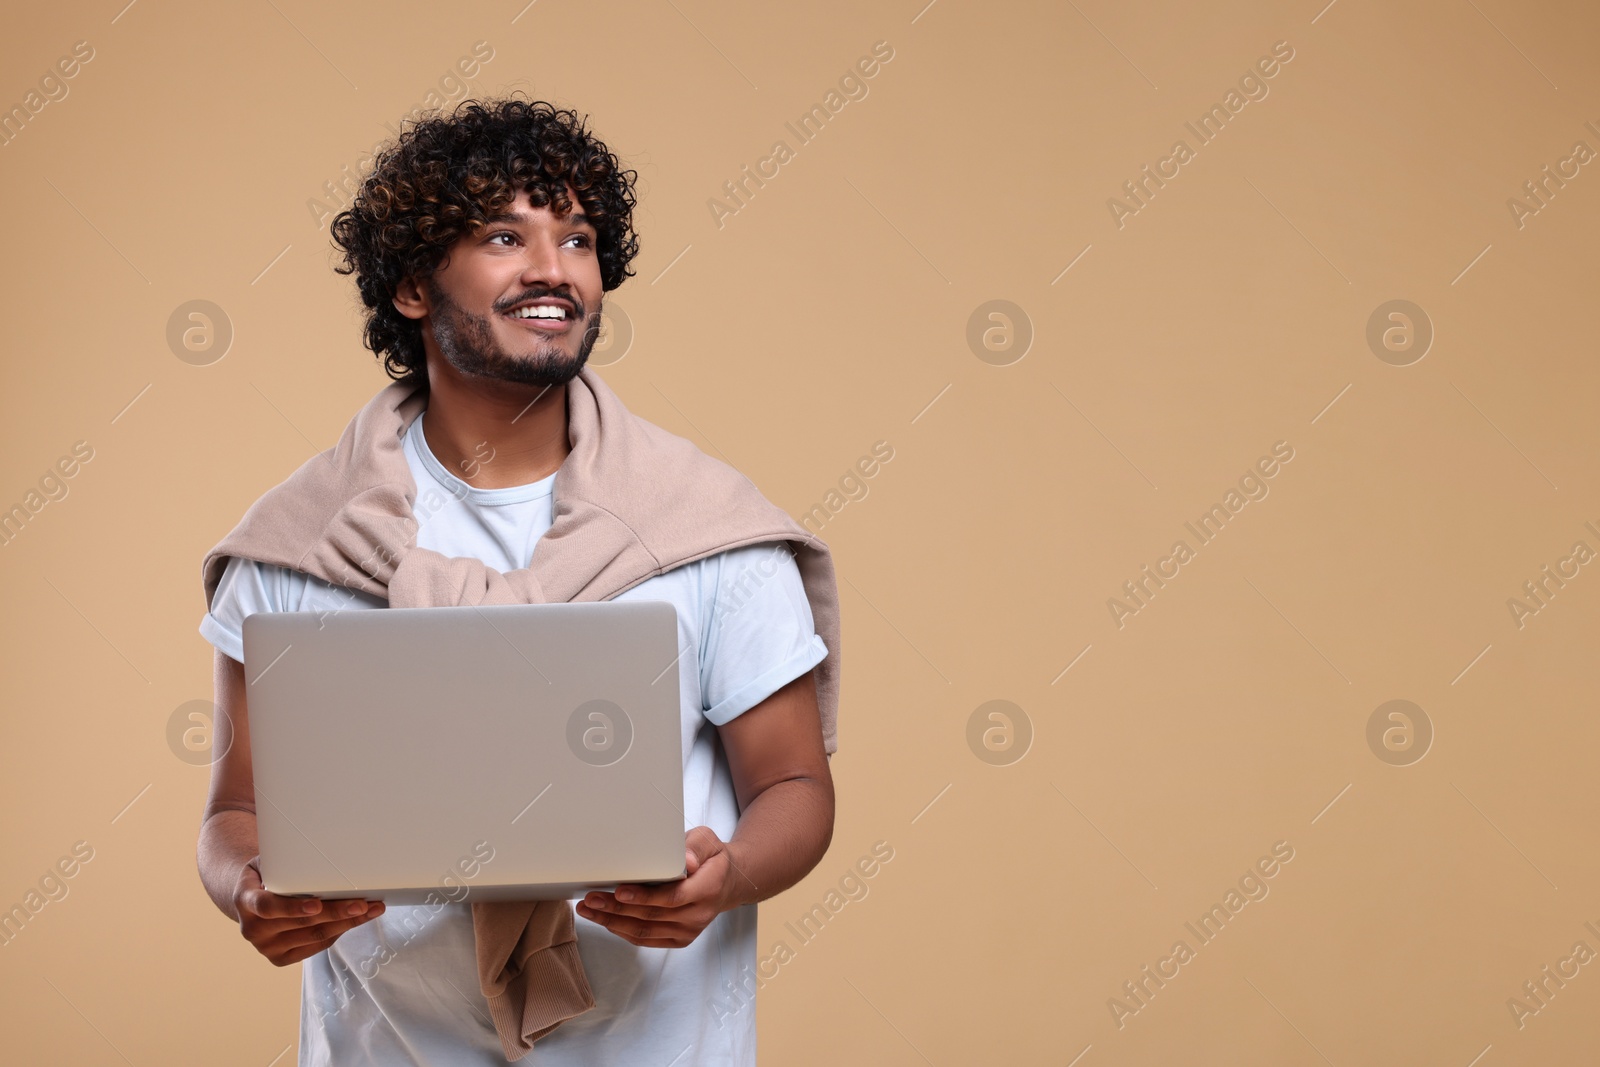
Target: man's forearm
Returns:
[781, 836]
[227, 843]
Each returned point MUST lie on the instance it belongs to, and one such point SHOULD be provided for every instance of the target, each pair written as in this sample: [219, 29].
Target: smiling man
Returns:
[483, 245]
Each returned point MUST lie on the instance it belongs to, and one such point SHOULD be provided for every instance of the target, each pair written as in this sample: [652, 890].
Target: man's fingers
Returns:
[340, 909]
[699, 885]
[635, 899]
[282, 929]
[662, 903]
[269, 911]
[269, 905]
[266, 904]
[644, 929]
[339, 917]
[318, 936]
[648, 901]
[703, 842]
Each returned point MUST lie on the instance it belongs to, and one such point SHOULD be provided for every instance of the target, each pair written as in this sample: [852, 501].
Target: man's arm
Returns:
[785, 793]
[228, 824]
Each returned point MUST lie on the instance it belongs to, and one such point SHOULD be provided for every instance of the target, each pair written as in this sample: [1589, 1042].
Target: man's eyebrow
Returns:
[522, 218]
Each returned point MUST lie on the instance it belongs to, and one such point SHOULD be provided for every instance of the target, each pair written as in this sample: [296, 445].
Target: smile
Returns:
[542, 324]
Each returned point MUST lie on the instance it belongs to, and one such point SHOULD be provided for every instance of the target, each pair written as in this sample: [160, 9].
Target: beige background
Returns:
[832, 312]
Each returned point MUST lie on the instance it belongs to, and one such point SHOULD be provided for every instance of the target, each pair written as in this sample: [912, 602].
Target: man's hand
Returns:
[283, 930]
[671, 915]
[785, 795]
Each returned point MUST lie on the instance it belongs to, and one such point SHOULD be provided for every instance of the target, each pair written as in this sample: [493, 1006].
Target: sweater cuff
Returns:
[556, 990]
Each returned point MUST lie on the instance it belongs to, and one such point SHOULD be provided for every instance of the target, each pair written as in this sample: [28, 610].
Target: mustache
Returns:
[577, 304]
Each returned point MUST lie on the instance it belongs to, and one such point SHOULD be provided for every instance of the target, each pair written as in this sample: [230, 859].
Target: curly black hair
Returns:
[443, 176]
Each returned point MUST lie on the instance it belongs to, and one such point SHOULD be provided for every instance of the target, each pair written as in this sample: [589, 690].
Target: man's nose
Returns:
[543, 263]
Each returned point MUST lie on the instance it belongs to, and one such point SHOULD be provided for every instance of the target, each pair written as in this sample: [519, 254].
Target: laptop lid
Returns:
[496, 752]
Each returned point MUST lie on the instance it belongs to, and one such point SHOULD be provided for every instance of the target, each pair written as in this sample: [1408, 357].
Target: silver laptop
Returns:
[466, 754]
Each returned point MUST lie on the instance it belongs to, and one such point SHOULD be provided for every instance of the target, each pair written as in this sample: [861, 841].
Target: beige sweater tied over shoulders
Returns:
[630, 501]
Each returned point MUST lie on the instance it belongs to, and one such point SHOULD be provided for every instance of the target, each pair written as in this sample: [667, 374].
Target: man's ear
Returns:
[410, 300]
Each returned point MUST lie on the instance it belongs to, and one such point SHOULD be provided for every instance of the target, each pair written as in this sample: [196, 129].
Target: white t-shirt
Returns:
[403, 988]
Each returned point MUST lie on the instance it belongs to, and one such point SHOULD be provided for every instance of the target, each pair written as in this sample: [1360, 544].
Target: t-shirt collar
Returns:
[511, 494]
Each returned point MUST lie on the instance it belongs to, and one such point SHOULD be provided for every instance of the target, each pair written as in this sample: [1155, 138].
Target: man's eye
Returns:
[575, 237]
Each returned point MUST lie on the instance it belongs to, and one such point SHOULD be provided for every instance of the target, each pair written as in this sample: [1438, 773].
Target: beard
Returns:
[468, 344]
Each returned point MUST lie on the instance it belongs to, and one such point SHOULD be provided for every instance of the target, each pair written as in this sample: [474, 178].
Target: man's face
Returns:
[528, 255]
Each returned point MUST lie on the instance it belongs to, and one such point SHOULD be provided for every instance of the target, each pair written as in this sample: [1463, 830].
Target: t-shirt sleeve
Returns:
[247, 586]
[761, 634]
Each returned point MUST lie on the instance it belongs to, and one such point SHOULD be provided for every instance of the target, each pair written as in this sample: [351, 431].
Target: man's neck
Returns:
[493, 435]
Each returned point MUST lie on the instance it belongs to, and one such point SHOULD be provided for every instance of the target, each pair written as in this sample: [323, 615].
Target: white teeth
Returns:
[540, 312]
